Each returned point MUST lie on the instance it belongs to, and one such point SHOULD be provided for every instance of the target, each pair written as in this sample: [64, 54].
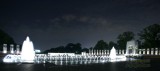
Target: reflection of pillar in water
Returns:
[11, 48]
[4, 48]
[156, 51]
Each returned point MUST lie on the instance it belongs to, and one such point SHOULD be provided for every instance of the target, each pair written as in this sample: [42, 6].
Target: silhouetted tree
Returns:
[78, 48]
[69, 47]
[150, 36]
[85, 50]
[101, 45]
[111, 44]
[5, 39]
[73, 48]
[123, 38]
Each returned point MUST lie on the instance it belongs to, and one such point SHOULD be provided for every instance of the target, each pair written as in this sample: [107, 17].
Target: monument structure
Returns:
[131, 48]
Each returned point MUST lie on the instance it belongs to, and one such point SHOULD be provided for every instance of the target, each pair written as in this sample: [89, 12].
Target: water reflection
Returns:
[77, 62]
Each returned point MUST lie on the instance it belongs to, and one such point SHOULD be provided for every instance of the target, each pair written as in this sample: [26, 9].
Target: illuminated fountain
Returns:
[28, 53]
[112, 54]
[114, 58]
[28, 56]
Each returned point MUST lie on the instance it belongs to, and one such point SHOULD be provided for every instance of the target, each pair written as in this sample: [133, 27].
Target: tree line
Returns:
[149, 37]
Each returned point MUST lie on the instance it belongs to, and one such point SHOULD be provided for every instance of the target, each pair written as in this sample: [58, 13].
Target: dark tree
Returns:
[60, 49]
[85, 50]
[78, 48]
[150, 36]
[5, 39]
[111, 44]
[73, 48]
[69, 47]
[123, 38]
[101, 45]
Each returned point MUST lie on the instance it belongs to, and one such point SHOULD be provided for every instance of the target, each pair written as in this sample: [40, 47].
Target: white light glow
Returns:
[27, 54]
[11, 58]
[112, 53]
[4, 48]
[37, 51]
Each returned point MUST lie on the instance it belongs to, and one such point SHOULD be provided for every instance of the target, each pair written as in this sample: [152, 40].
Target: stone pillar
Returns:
[4, 48]
[17, 49]
[139, 51]
[122, 51]
[94, 52]
[97, 53]
[119, 51]
[116, 51]
[156, 51]
[107, 51]
[89, 52]
[152, 51]
[143, 51]
[104, 52]
[148, 51]
[12, 48]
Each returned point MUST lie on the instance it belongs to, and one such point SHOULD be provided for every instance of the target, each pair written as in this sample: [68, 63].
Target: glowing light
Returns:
[112, 53]
[11, 58]
[27, 54]
[4, 48]
[37, 51]
[12, 48]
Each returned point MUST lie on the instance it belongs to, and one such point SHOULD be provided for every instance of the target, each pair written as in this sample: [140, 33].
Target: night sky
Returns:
[53, 23]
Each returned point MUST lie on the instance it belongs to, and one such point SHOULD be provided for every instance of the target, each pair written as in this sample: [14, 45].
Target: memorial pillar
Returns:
[148, 51]
[4, 48]
[11, 48]
[17, 49]
[139, 51]
[152, 51]
[156, 51]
